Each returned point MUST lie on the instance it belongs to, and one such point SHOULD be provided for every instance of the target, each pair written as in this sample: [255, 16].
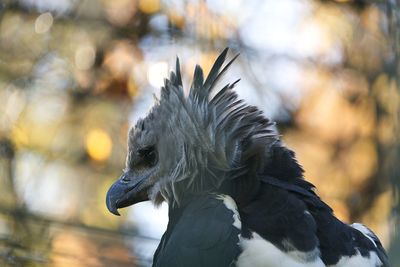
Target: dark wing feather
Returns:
[300, 187]
[200, 235]
[336, 239]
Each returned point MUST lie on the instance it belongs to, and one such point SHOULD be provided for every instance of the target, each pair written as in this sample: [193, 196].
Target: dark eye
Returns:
[148, 155]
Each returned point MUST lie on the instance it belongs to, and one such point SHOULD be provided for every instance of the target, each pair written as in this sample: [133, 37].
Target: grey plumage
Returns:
[201, 140]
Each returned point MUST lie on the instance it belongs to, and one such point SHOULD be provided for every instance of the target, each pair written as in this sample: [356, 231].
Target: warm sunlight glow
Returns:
[149, 6]
[98, 144]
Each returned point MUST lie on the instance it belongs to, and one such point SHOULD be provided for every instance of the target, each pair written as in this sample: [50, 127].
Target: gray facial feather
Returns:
[201, 141]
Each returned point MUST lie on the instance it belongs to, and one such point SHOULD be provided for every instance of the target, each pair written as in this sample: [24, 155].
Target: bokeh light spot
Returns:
[20, 136]
[119, 12]
[156, 73]
[84, 57]
[149, 6]
[98, 144]
[43, 23]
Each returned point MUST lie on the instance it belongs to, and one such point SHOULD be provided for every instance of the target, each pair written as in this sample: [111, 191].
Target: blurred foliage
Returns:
[74, 75]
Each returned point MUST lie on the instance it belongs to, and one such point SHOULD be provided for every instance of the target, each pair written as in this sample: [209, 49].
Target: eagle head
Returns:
[206, 141]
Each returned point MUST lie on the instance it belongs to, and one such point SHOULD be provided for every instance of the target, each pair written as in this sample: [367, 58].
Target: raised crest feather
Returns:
[213, 128]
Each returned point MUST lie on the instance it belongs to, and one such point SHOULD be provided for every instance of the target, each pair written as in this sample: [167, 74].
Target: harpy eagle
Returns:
[236, 194]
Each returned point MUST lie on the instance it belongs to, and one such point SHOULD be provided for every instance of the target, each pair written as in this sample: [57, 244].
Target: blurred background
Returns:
[76, 74]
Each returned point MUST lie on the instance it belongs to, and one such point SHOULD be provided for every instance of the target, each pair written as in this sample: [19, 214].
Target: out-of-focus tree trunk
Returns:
[393, 12]
[392, 154]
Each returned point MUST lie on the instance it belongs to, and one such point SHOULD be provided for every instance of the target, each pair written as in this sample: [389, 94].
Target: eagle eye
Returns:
[148, 156]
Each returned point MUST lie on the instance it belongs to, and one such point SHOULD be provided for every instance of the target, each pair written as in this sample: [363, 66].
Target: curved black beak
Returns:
[125, 192]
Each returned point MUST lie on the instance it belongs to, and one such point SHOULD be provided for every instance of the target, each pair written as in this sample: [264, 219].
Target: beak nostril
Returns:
[125, 178]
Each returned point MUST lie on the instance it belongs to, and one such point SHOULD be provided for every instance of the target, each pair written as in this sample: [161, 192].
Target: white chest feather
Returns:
[257, 252]
[358, 260]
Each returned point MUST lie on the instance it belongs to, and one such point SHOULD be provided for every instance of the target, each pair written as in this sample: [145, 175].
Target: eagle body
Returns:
[211, 230]
[236, 194]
